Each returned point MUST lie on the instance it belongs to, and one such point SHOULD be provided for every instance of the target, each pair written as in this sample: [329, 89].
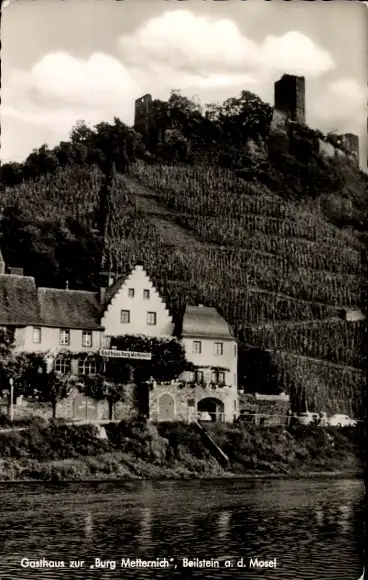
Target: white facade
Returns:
[44, 338]
[215, 353]
[134, 307]
[137, 308]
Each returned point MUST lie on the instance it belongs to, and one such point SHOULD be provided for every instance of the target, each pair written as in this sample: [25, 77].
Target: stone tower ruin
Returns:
[143, 117]
[351, 143]
[290, 97]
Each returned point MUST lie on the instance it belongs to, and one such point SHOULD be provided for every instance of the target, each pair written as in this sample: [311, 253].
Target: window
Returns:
[131, 292]
[198, 377]
[87, 366]
[65, 337]
[86, 338]
[146, 294]
[197, 347]
[36, 338]
[218, 377]
[62, 365]
[219, 348]
[151, 318]
[125, 316]
[234, 349]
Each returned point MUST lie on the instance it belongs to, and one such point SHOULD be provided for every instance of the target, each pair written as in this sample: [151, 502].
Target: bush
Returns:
[53, 441]
[5, 421]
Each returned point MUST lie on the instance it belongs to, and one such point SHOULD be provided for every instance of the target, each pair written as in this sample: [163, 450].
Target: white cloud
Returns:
[341, 107]
[203, 46]
[297, 54]
[60, 89]
[100, 79]
[176, 50]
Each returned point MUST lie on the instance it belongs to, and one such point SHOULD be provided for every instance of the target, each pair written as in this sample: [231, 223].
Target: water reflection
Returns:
[145, 536]
[88, 526]
[313, 528]
[224, 525]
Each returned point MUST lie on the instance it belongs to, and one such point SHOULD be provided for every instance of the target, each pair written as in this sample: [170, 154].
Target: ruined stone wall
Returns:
[326, 148]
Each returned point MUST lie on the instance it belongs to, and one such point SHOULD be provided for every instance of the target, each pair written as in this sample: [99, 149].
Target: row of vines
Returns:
[324, 387]
[298, 251]
[336, 340]
[218, 193]
[73, 192]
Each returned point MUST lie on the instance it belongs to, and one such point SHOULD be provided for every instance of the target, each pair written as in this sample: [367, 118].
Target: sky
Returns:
[64, 61]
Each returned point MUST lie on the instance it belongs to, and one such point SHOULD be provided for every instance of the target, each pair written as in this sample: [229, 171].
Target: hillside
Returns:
[223, 213]
[278, 271]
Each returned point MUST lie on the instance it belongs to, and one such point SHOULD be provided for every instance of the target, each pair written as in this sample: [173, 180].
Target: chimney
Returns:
[102, 295]
[16, 271]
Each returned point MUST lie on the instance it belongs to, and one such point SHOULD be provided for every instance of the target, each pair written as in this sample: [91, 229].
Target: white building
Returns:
[47, 319]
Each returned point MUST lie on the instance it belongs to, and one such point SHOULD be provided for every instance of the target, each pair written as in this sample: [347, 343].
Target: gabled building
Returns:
[209, 345]
[54, 320]
[209, 392]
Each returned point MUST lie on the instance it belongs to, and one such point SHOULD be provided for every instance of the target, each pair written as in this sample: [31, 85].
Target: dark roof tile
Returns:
[204, 322]
[18, 301]
[22, 304]
[69, 308]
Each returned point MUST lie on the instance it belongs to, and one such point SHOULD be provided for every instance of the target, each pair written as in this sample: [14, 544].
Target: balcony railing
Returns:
[204, 385]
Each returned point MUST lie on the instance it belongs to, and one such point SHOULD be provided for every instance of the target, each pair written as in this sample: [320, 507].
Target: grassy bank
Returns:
[56, 451]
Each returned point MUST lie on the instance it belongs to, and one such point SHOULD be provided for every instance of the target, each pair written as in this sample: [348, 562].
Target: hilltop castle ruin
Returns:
[289, 114]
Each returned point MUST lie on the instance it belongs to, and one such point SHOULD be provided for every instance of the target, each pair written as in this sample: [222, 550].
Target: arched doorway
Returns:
[213, 407]
[166, 408]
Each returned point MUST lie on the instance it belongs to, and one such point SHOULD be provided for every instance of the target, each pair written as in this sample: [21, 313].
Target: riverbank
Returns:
[55, 451]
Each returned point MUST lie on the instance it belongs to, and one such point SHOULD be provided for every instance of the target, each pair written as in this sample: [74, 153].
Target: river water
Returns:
[313, 528]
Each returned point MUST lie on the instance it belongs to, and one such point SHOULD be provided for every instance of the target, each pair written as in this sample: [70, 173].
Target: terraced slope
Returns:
[277, 270]
[278, 273]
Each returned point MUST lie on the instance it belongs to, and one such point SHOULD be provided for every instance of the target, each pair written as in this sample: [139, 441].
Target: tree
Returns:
[247, 116]
[99, 388]
[167, 363]
[257, 372]
[40, 162]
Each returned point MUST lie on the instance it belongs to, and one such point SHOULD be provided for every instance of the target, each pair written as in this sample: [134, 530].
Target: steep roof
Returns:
[204, 322]
[18, 301]
[22, 304]
[69, 309]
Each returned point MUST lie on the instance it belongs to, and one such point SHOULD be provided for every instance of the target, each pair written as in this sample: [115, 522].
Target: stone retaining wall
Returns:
[186, 398]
